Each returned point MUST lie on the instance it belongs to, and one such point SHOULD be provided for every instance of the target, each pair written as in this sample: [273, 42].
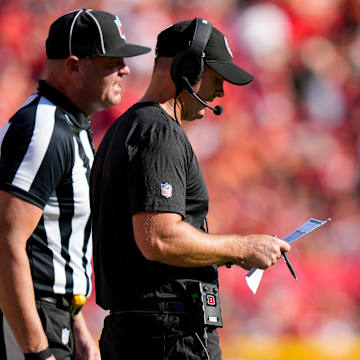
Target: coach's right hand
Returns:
[259, 251]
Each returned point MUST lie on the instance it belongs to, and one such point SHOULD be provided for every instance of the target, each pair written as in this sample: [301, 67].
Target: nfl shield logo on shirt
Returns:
[65, 336]
[166, 190]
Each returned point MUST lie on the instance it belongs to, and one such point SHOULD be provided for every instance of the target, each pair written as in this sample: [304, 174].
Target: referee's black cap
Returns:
[88, 32]
[217, 54]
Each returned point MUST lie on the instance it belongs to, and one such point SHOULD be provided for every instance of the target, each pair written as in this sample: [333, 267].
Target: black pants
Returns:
[58, 327]
[156, 337]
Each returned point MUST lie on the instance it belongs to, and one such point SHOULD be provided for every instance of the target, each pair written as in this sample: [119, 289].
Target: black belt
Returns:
[60, 301]
[156, 307]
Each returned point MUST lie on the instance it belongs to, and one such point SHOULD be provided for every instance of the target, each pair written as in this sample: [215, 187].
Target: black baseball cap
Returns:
[218, 55]
[88, 32]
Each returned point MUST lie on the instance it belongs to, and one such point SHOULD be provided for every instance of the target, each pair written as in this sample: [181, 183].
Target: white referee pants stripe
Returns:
[13, 351]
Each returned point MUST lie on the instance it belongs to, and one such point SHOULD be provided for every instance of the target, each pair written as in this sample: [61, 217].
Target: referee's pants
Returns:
[58, 327]
[156, 336]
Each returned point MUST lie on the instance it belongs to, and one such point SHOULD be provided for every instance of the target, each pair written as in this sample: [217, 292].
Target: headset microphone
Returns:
[218, 109]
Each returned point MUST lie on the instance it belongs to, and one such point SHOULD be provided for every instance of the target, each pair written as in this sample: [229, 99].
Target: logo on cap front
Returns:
[228, 47]
[120, 27]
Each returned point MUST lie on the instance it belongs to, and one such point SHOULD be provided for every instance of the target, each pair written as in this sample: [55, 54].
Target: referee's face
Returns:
[102, 82]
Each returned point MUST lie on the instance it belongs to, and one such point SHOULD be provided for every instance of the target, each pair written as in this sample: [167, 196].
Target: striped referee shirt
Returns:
[45, 158]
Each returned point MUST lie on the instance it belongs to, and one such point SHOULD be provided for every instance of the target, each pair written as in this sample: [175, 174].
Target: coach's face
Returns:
[208, 88]
[102, 81]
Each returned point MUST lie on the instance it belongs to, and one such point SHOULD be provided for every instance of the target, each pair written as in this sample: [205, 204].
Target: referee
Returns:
[45, 157]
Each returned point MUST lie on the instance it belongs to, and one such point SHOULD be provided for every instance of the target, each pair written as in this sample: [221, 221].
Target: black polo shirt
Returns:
[144, 163]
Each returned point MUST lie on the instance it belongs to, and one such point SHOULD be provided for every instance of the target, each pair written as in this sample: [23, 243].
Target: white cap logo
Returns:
[228, 47]
[120, 28]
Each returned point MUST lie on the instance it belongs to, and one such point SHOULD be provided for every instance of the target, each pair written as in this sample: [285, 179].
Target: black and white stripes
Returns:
[47, 162]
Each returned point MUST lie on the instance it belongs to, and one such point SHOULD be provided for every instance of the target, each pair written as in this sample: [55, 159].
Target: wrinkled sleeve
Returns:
[157, 173]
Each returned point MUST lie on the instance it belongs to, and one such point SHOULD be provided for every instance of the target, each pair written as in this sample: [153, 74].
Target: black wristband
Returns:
[41, 355]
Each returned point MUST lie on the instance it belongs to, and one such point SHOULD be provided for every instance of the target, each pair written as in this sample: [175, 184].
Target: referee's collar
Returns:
[55, 96]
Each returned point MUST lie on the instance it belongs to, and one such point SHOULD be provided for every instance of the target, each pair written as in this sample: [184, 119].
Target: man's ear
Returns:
[72, 65]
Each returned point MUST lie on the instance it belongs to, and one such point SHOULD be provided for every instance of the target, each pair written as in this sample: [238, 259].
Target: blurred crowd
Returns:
[285, 149]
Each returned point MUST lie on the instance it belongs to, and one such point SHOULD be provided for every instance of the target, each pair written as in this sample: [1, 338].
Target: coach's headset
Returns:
[188, 65]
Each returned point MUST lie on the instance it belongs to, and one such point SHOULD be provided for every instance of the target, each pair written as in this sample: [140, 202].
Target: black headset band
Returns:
[189, 63]
[201, 35]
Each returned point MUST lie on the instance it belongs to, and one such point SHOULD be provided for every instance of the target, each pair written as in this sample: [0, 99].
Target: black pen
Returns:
[289, 265]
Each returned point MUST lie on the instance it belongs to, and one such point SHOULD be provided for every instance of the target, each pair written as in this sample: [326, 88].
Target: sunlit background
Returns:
[285, 149]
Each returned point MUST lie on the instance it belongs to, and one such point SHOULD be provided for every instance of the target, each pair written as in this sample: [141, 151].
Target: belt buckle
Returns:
[77, 302]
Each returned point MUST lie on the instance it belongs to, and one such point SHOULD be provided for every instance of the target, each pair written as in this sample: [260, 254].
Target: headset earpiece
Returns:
[189, 63]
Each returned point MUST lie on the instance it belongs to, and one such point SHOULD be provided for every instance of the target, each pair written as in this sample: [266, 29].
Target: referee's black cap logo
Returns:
[217, 52]
[88, 32]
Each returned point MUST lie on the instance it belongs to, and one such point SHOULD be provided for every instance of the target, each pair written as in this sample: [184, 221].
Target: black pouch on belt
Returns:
[205, 304]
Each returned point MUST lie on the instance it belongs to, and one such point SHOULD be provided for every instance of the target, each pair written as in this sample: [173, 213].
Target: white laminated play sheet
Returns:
[253, 277]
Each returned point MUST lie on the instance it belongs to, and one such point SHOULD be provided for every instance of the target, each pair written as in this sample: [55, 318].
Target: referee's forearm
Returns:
[17, 299]
[18, 220]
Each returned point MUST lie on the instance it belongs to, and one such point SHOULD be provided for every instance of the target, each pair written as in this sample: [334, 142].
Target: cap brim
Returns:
[231, 72]
[127, 50]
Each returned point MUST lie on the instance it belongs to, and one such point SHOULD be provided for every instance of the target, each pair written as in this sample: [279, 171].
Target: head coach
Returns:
[155, 262]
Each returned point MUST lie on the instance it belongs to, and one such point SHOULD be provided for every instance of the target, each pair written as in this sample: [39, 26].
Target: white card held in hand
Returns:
[253, 277]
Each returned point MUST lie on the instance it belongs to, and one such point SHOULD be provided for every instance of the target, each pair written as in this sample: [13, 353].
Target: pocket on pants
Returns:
[126, 339]
[122, 344]
[57, 325]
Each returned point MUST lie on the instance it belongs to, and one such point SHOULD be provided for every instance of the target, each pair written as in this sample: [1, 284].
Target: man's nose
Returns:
[220, 92]
[124, 70]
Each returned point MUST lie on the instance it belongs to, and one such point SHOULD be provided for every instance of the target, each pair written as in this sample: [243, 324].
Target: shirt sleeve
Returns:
[33, 158]
[157, 173]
